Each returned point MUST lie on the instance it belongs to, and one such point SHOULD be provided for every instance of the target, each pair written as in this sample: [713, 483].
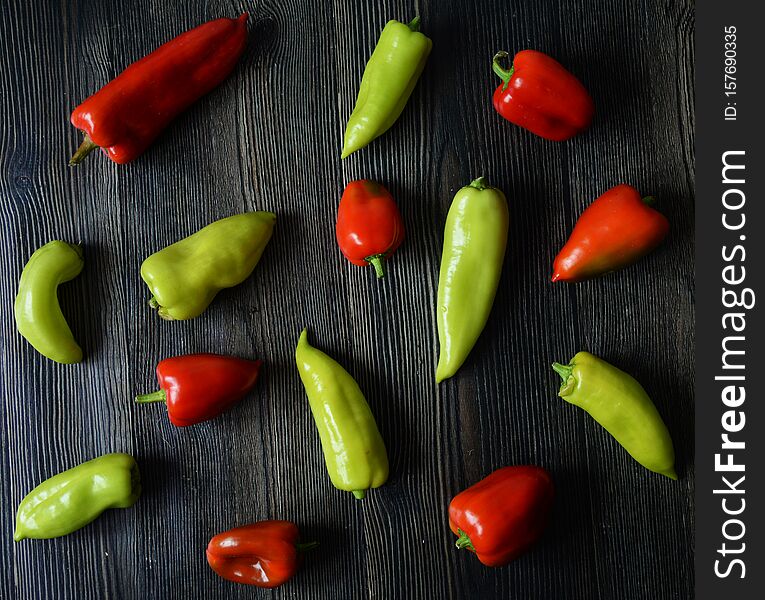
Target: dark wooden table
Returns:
[270, 138]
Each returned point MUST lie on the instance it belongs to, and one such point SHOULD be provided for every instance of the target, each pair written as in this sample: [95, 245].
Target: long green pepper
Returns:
[354, 451]
[388, 81]
[619, 403]
[475, 239]
[70, 500]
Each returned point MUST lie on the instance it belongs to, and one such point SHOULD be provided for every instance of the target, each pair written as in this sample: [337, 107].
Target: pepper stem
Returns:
[479, 184]
[649, 200]
[85, 148]
[414, 24]
[563, 370]
[306, 546]
[503, 74]
[159, 396]
[464, 541]
[359, 494]
[377, 261]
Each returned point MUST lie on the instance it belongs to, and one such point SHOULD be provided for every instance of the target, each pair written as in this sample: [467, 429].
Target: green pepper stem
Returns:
[464, 541]
[306, 546]
[359, 494]
[414, 24]
[377, 261]
[159, 396]
[563, 370]
[479, 184]
[649, 200]
[503, 74]
[153, 303]
[85, 148]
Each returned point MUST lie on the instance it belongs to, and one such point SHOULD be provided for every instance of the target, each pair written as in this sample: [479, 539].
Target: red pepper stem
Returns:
[563, 370]
[649, 200]
[306, 546]
[503, 74]
[159, 396]
[414, 24]
[479, 184]
[85, 148]
[359, 494]
[463, 541]
[377, 261]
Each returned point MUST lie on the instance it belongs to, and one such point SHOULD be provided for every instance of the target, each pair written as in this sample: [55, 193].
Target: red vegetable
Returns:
[125, 116]
[501, 516]
[199, 387]
[539, 94]
[265, 554]
[369, 226]
[613, 232]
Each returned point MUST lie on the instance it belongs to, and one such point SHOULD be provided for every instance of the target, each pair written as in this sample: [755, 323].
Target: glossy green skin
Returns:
[475, 240]
[185, 277]
[620, 404]
[388, 81]
[70, 500]
[354, 451]
[38, 315]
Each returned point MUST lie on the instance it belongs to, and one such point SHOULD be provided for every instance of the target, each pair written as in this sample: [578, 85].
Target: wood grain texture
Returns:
[269, 138]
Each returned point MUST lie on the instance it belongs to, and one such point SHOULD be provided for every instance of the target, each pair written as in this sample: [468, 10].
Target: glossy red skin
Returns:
[125, 116]
[505, 513]
[368, 222]
[199, 387]
[262, 554]
[615, 231]
[543, 97]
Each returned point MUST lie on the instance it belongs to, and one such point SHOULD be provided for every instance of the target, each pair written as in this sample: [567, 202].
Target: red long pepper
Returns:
[265, 554]
[125, 116]
[199, 387]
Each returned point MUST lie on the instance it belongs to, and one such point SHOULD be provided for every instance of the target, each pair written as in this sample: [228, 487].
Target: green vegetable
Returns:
[185, 277]
[620, 404]
[38, 315]
[475, 239]
[70, 500]
[388, 81]
[353, 448]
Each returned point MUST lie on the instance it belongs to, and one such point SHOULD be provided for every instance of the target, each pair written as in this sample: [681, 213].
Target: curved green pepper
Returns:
[620, 404]
[388, 81]
[475, 239]
[38, 315]
[185, 277]
[70, 500]
[353, 448]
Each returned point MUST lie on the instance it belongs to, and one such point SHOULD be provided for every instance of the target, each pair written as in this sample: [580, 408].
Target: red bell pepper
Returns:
[199, 387]
[539, 94]
[369, 226]
[613, 232]
[265, 554]
[125, 116]
[501, 516]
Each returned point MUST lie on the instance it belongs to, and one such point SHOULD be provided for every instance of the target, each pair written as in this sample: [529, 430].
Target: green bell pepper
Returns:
[185, 277]
[619, 403]
[38, 315]
[354, 451]
[475, 239]
[388, 81]
[70, 500]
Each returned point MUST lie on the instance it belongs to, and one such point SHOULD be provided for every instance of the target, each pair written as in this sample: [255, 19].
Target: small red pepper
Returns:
[613, 232]
[265, 554]
[501, 516]
[539, 94]
[369, 226]
[125, 116]
[199, 387]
